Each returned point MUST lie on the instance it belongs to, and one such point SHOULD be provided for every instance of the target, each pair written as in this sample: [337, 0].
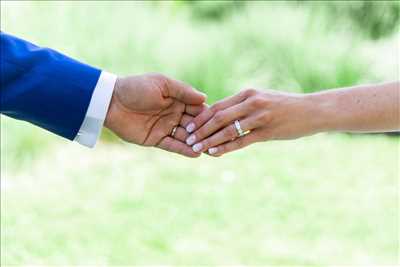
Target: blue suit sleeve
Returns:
[44, 87]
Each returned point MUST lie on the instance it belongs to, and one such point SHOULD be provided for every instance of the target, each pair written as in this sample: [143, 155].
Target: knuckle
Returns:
[242, 94]
[264, 118]
[258, 101]
[249, 92]
[267, 117]
[219, 117]
[215, 108]
[161, 80]
[259, 120]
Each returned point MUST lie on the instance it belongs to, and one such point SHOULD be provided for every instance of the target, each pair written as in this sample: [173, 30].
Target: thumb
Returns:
[185, 93]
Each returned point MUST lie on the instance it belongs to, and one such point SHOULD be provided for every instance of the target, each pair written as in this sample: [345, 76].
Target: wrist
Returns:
[322, 112]
[113, 107]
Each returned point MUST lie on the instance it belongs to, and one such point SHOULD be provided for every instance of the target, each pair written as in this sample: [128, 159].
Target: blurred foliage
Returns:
[322, 20]
[374, 19]
[213, 10]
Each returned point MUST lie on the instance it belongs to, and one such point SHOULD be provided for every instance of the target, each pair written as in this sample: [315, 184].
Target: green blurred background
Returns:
[323, 200]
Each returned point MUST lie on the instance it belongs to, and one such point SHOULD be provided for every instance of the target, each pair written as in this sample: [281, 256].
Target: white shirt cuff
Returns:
[96, 113]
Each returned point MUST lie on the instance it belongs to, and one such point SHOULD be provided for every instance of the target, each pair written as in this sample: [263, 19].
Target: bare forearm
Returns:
[368, 108]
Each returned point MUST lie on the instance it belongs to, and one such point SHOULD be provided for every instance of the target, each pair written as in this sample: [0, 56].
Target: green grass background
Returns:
[329, 199]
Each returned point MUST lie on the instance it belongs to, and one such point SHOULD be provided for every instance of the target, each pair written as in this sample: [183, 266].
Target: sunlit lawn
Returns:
[328, 199]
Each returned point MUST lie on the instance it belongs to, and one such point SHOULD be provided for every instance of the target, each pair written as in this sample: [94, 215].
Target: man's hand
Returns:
[144, 110]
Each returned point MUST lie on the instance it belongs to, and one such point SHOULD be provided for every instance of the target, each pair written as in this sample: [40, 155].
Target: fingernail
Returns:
[197, 147]
[190, 141]
[212, 150]
[190, 127]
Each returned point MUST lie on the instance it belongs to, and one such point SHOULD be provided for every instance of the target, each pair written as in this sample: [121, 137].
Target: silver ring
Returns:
[238, 128]
[174, 131]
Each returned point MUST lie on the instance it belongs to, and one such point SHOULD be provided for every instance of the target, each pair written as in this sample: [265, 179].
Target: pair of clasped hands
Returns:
[155, 110]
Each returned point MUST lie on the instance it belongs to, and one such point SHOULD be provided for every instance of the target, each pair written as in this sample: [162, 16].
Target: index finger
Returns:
[209, 113]
[219, 120]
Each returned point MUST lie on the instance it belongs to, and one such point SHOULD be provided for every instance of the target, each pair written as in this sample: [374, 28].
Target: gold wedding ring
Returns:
[239, 129]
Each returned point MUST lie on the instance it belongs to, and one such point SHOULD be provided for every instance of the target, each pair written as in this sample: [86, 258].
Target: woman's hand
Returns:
[276, 115]
[266, 114]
